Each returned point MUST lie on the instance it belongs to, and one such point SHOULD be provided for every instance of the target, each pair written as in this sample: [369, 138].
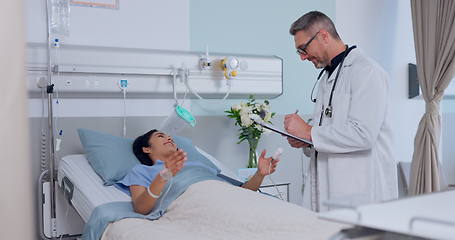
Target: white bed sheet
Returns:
[276, 219]
[215, 210]
[89, 191]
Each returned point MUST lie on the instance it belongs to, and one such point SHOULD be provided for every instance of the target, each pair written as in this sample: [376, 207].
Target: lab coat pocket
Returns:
[349, 179]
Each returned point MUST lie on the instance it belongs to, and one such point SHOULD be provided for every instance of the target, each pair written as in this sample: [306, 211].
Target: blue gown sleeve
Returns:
[140, 175]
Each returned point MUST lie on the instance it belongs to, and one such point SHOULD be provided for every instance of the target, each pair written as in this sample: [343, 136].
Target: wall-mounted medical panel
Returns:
[83, 71]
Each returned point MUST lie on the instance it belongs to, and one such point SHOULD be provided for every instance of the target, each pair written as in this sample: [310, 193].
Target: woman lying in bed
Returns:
[161, 160]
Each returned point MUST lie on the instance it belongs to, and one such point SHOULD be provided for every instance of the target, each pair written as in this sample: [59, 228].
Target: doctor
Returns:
[351, 161]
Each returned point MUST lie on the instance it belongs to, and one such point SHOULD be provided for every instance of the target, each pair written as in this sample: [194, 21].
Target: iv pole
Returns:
[51, 168]
[50, 91]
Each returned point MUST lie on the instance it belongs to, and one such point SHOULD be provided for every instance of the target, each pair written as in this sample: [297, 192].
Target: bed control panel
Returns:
[68, 188]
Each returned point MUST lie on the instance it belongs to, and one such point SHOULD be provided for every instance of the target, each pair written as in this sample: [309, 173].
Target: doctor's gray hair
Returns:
[314, 21]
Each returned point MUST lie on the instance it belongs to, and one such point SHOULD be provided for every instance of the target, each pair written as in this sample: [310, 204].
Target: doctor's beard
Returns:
[316, 62]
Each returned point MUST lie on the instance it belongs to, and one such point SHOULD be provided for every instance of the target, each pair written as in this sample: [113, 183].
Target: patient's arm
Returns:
[266, 166]
[143, 203]
[255, 182]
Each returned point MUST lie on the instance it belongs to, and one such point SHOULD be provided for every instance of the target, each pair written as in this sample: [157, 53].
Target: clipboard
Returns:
[285, 133]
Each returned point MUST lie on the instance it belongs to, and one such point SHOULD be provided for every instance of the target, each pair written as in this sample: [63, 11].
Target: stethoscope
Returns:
[329, 109]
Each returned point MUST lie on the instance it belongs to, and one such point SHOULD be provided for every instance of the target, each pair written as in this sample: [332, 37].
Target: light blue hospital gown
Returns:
[144, 175]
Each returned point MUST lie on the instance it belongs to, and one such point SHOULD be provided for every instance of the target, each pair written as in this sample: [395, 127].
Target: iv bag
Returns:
[60, 18]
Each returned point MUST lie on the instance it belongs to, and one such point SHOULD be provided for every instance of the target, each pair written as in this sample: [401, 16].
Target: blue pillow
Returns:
[192, 153]
[110, 156]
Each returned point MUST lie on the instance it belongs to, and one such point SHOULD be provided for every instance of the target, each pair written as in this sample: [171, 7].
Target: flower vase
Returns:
[252, 159]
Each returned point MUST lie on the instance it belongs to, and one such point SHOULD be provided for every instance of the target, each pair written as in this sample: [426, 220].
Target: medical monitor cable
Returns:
[276, 155]
[228, 84]
[185, 74]
[185, 93]
[66, 211]
[184, 97]
[43, 133]
[124, 112]
[166, 175]
[174, 90]
[123, 85]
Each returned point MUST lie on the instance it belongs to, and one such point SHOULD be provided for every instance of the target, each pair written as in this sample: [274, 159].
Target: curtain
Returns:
[434, 38]
[17, 201]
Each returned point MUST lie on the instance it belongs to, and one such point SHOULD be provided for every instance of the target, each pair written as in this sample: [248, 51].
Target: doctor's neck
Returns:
[335, 48]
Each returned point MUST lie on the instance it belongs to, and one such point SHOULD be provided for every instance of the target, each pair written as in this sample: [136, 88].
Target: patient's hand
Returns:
[176, 161]
[268, 165]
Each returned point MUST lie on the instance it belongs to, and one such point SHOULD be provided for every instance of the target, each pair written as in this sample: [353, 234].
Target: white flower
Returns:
[236, 107]
[246, 120]
[242, 104]
[265, 107]
[245, 110]
[255, 117]
[267, 117]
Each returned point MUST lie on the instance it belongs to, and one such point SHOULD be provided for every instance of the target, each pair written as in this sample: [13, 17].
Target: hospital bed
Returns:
[202, 212]
[215, 209]
[205, 212]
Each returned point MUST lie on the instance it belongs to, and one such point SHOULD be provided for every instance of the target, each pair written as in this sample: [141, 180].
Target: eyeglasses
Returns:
[302, 49]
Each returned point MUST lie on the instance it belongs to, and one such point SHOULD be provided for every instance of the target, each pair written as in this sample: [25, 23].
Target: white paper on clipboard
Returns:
[285, 133]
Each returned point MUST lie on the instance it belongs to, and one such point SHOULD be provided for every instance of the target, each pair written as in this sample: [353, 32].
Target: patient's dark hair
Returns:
[141, 142]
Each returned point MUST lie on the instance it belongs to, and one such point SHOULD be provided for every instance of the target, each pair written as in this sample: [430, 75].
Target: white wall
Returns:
[383, 29]
[152, 24]
[136, 24]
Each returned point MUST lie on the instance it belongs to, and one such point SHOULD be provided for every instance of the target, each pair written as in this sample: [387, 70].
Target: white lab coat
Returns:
[355, 164]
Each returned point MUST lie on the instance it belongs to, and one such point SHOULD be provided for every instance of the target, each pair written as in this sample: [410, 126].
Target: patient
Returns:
[161, 159]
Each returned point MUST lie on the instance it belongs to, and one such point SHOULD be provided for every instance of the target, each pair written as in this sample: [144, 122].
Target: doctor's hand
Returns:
[296, 143]
[176, 161]
[295, 125]
[268, 165]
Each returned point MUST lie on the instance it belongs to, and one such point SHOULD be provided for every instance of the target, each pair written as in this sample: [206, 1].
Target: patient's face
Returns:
[161, 145]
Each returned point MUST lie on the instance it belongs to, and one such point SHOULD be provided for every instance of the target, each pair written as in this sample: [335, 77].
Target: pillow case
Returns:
[192, 153]
[110, 156]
